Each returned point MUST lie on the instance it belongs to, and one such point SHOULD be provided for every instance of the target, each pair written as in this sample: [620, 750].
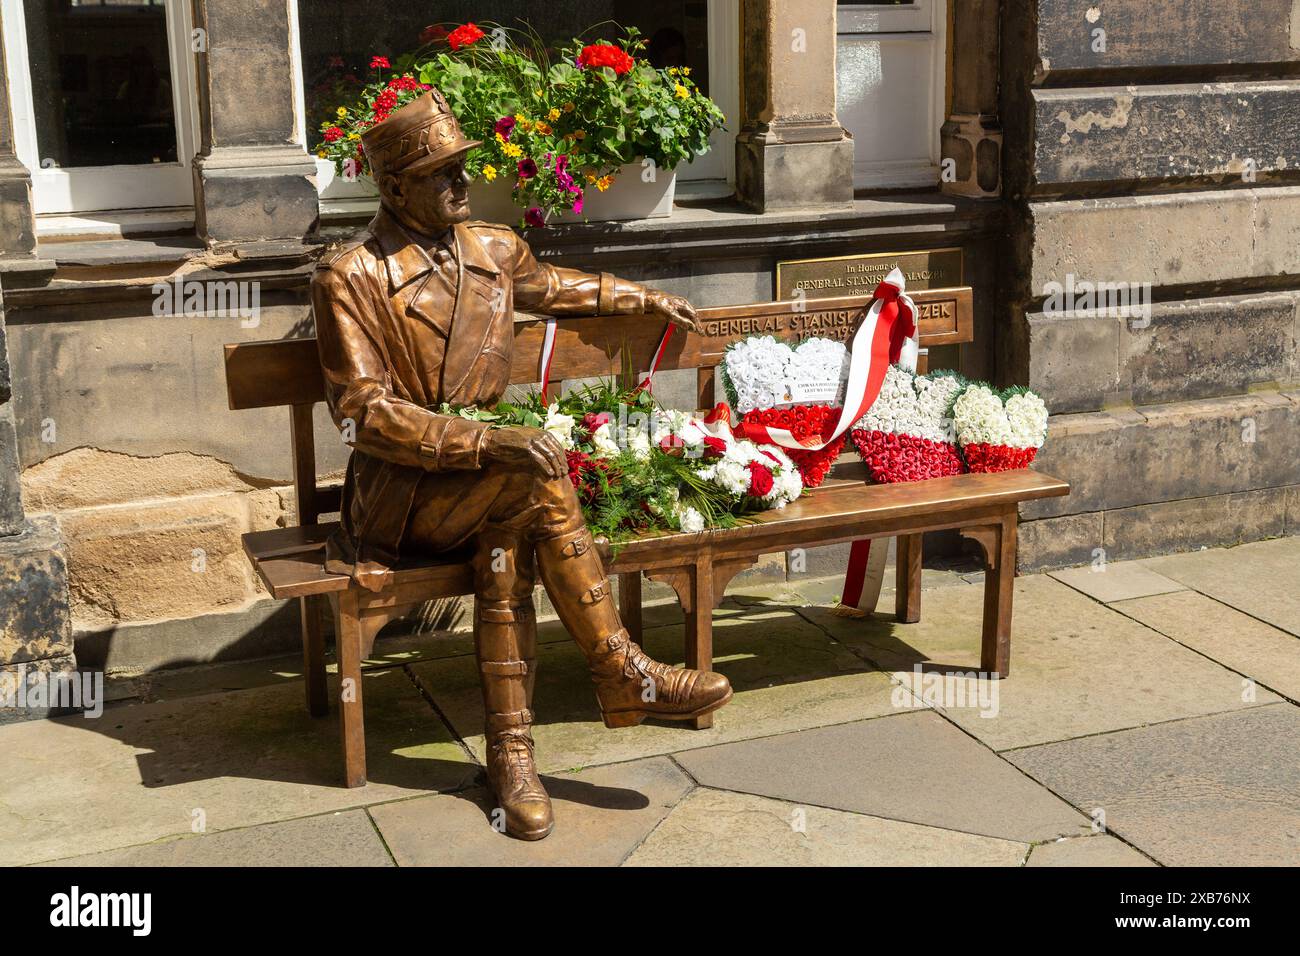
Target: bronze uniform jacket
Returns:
[395, 342]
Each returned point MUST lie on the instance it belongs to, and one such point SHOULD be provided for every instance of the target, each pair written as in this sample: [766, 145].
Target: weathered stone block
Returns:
[255, 193]
[1216, 521]
[11, 503]
[1059, 542]
[1293, 510]
[167, 559]
[34, 620]
[773, 176]
[1163, 453]
[1105, 134]
[261, 630]
[1208, 347]
[1086, 361]
[1167, 240]
[1074, 359]
[1140, 33]
[54, 675]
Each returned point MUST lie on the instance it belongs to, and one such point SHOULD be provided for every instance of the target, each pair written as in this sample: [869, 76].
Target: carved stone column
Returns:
[251, 178]
[791, 150]
[972, 135]
[17, 224]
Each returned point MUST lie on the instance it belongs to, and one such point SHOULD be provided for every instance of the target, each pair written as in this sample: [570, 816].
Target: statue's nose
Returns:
[464, 176]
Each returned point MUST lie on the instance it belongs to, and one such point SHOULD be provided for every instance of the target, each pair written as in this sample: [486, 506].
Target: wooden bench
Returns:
[697, 566]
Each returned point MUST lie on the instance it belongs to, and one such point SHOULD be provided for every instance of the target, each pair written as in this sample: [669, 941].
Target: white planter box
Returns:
[629, 198]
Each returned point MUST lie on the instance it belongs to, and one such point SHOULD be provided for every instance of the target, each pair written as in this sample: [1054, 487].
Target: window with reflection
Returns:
[101, 82]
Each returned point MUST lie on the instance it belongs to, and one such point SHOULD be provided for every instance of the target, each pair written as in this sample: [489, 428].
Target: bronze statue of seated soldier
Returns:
[418, 311]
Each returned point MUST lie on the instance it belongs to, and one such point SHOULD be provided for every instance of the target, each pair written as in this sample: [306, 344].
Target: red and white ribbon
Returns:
[548, 353]
[648, 382]
[865, 574]
[887, 335]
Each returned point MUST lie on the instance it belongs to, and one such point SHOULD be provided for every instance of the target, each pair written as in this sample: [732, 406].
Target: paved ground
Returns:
[1150, 718]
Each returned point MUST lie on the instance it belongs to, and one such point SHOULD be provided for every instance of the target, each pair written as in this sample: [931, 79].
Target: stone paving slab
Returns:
[1262, 652]
[601, 815]
[1077, 667]
[715, 828]
[346, 838]
[1212, 791]
[1117, 581]
[915, 767]
[73, 786]
[788, 675]
[1099, 850]
[1259, 579]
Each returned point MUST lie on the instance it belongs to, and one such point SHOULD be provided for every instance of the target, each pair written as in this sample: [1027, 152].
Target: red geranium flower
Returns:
[379, 63]
[333, 134]
[605, 54]
[464, 36]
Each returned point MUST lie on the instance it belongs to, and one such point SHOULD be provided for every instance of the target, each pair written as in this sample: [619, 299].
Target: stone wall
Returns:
[1156, 145]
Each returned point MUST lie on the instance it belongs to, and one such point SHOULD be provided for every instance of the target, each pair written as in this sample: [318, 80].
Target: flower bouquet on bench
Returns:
[639, 467]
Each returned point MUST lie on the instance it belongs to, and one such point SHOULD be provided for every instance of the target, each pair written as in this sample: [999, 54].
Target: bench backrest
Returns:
[287, 371]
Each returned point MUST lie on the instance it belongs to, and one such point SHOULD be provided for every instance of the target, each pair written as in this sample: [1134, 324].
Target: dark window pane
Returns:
[337, 42]
[101, 82]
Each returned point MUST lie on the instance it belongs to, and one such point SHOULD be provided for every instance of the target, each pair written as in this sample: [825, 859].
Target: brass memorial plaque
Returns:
[859, 275]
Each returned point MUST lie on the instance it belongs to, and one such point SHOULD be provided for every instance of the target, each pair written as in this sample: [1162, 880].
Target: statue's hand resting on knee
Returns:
[527, 449]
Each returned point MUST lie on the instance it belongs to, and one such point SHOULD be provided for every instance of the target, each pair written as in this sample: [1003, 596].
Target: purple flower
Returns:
[561, 162]
[577, 203]
[534, 217]
[564, 180]
[527, 168]
[505, 126]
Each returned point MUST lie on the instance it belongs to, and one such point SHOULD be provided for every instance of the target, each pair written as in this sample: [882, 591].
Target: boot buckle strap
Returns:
[577, 546]
[513, 718]
[597, 593]
[505, 668]
[523, 613]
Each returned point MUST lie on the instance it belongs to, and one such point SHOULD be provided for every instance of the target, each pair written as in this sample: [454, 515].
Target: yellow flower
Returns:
[342, 112]
[500, 139]
[525, 125]
[321, 153]
[604, 182]
[553, 115]
[512, 150]
[489, 172]
[544, 128]
[672, 71]
[681, 91]
[519, 117]
[569, 107]
[686, 71]
[579, 134]
[354, 135]
[591, 177]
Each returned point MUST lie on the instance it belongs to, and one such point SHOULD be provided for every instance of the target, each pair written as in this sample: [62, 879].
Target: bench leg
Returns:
[351, 713]
[907, 591]
[313, 657]
[699, 628]
[629, 603]
[999, 587]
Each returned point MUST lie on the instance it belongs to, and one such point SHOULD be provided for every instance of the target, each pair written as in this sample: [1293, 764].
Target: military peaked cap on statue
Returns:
[421, 135]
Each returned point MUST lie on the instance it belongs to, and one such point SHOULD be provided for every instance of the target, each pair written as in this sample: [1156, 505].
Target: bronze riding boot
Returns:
[630, 685]
[505, 639]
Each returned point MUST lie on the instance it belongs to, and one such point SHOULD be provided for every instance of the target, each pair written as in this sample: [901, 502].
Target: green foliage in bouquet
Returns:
[554, 126]
[634, 490]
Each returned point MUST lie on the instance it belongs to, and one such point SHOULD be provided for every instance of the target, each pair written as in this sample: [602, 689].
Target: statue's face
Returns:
[431, 200]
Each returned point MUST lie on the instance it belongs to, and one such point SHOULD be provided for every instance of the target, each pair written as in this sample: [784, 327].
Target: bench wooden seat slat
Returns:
[290, 561]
